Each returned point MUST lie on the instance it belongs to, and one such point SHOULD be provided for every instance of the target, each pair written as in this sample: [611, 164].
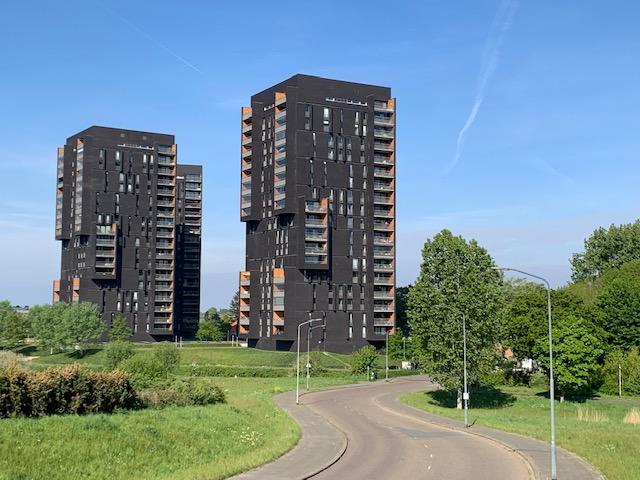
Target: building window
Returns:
[326, 119]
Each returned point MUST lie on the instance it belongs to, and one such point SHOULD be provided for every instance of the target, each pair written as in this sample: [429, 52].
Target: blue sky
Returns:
[550, 153]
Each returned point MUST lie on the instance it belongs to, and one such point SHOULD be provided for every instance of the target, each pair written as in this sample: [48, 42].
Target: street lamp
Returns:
[554, 469]
[386, 357]
[465, 393]
[308, 322]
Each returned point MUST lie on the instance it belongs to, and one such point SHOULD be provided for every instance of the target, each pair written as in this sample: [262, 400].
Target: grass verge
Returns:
[176, 443]
[593, 429]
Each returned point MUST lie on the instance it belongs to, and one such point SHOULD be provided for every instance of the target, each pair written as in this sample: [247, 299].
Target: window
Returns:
[326, 119]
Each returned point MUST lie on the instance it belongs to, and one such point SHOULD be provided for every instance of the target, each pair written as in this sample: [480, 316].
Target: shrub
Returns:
[364, 359]
[10, 358]
[62, 391]
[629, 365]
[182, 392]
[224, 371]
[116, 352]
[145, 369]
[168, 356]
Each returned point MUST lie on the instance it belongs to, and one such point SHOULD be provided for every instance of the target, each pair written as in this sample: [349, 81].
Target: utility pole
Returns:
[386, 357]
[619, 380]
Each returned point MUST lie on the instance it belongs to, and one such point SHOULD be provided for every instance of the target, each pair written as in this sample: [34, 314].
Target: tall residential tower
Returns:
[318, 201]
[129, 219]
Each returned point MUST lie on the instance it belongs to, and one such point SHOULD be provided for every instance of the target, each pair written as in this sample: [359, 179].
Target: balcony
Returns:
[383, 308]
[384, 120]
[244, 308]
[383, 253]
[315, 236]
[165, 171]
[244, 294]
[379, 106]
[280, 182]
[105, 242]
[279, 196]
[382, 322]
[163, 277]
[165, 203]
[382, 133]
[383, 295]
[164, 150]
[165, 214]
[377, 240]
[280, 169]
[164, 234]
[383, 186]
[383, 199]
[315, 251]
[246, 154]
[246, 128]
[382, 147]
[245, 212]
[388, 267]
[382, 280]
[382, 213]
[166, 161]
[247, 140]
[383, 226]
[317, 222]
[382, 173]
[105, 265]
[314, 207]
[167, 192]
[382, 160]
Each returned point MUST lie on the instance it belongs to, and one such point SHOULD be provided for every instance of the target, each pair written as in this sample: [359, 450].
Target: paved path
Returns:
[363, 432]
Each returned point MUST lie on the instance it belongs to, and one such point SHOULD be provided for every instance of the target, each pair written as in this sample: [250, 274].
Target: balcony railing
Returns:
[382, 280]
[383, 254]
[314, 221]
[382, 160]
[383, 199]
[314, 207]
[383, 146]
[383, 186]
[383, 295]
[382, 173]
[384, 240]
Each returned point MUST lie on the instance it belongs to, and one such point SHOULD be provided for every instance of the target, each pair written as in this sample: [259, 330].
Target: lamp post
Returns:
[465, 392]
[554, 468]
[386, 357]
[308, 322]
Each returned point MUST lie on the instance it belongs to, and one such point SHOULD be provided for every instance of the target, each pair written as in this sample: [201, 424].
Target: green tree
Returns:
[456, 278]
[525, 319]
[210, 330]
[364, 359]
[81, 326]
[606, 249]
[15, 330]
[46, 324]
[120, 329]
[618, 305]
[234, 306]
[402, 322]
[400, 347]
[222, 320]
[116, 352]
[577, 352]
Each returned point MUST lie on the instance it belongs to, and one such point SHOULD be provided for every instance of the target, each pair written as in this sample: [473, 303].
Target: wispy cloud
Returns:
[491, 54]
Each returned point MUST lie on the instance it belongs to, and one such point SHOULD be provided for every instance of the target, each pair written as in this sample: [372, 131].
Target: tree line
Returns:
[58, 327]
[596, 317]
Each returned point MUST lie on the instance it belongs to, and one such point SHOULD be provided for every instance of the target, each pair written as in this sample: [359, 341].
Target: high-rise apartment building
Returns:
[129, 219]
[318, 201]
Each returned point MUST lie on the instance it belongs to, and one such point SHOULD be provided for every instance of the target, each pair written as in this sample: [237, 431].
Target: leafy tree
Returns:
[525, 317]
[222, 320]
[120, 329]
[234, 306]
[577, 352]
[81, 326]
[212, 314]
[210, 330]
[46, 324]
[402, 322]
[627, 363]
[15, 330]
[364, 359]
[618, 305]
[116, 352]
[400, 347]
[456, 278]
[606, 249]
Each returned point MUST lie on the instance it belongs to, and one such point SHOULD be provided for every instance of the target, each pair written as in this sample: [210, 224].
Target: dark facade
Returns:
[129, 219]
[318, 200]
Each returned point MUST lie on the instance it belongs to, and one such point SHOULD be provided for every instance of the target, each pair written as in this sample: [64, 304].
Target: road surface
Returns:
[383, 443]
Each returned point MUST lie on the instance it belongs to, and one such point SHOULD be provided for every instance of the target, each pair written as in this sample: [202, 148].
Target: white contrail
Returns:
[151, 39]
[491, 53]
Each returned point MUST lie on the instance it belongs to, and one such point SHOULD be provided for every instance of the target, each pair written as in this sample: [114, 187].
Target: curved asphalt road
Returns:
[384, 443]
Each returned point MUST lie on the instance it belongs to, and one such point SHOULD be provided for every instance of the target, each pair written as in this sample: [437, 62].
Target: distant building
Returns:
[318, 200]
[129, 219]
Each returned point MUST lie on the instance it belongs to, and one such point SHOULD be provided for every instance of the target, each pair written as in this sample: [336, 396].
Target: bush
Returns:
[145, 369]
[224, 371]
[182, 392]
[363, 359]
[629, 362]
[168, 356]
[62, 391]
[10, 358]
[116, 352]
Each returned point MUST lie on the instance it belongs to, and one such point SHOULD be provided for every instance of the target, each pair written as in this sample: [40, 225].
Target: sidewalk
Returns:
[320, 447]
[537, 453]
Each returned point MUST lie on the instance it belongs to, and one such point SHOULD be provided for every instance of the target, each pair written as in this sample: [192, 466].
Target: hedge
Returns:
[66, 390]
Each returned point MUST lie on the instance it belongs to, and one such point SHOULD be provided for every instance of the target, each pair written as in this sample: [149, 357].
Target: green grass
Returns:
[200, 353]
[609, 444]
[209, 442]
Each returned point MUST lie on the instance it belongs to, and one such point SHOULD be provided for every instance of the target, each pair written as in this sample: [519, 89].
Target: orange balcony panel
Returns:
[278, 272]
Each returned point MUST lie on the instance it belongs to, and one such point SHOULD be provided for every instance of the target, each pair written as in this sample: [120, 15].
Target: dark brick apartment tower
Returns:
[318, 200]
[129, 219]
